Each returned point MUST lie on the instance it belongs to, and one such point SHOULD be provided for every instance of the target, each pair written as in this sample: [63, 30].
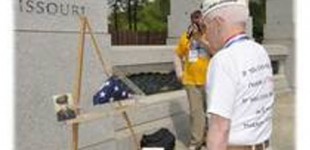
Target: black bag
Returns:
[162, 138]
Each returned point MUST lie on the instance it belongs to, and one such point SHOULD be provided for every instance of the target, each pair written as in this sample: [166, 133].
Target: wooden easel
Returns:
[78, 85]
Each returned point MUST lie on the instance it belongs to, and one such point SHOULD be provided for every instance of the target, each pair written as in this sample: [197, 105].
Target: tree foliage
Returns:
[139, 15]
[258, 12]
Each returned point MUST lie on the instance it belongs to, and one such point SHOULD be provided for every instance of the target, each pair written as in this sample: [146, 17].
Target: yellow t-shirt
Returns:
[194, 72]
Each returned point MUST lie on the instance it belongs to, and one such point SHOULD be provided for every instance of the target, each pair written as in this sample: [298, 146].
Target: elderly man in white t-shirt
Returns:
[240, 82]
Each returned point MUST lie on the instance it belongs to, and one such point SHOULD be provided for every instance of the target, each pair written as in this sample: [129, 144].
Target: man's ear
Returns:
[219, 21]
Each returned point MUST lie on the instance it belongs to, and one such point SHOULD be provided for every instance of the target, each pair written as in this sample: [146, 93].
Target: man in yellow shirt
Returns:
[191, 62]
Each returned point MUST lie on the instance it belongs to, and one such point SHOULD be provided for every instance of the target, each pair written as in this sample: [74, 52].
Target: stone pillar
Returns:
[46, 48]
[179, 18]
[249, 25]
[279, 29]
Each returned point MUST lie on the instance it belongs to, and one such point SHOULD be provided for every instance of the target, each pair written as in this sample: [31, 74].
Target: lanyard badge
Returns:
[194, 52]
[193, 55]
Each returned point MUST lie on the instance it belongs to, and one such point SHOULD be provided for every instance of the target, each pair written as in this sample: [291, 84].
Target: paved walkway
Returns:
[284, 122]
[283, 137]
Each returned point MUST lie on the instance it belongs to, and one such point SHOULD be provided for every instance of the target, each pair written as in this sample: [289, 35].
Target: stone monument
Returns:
[46, 51]
[279, 29]
[46, 44]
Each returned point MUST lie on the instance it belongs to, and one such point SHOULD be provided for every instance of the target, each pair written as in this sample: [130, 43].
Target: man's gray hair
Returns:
[232, 14]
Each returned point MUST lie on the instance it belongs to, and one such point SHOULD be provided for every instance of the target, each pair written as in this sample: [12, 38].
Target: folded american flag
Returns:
[112, 89]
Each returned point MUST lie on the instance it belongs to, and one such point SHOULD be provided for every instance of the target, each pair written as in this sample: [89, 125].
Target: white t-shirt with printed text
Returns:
[240, 88]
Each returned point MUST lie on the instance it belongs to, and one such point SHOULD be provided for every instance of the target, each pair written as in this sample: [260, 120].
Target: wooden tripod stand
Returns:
[78, 83]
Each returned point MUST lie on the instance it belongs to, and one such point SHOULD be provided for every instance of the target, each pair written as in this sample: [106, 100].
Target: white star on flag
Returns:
[113, 90]
[123, 93]
[116, 88]
[102, 94]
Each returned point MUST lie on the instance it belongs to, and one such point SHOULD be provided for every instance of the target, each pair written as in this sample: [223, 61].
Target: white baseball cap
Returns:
[211, 5]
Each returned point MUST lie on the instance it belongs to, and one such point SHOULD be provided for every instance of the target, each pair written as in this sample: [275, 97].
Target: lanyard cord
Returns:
[236, 39]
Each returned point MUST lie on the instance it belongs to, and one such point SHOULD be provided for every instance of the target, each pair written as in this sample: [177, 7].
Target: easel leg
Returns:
[107, 69]
[78, 84]
[75, 136]
[129, 125]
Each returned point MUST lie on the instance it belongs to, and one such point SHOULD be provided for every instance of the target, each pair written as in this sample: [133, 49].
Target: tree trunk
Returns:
[129, 15]
[115, 15]
[135, 19]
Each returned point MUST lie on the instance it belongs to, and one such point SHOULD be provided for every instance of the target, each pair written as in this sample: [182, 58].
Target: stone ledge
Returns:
[276, 50]
[279, 53]
[147, 68]
[136, 55]
[105, 145]
[168, 104]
